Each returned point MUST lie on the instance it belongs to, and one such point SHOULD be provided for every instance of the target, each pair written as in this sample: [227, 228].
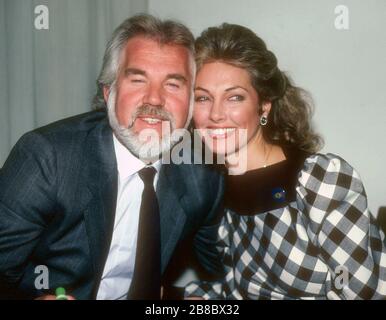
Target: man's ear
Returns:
[106, 93]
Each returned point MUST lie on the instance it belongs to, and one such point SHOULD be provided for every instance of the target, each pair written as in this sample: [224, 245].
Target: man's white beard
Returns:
[148, 152]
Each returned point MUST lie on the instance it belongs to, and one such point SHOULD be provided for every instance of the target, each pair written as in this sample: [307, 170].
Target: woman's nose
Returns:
[217, 113]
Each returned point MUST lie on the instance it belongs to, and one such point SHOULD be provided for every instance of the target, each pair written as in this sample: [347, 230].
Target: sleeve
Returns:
[224, 287]
[332, 195]
[27, 193]
[205, 240]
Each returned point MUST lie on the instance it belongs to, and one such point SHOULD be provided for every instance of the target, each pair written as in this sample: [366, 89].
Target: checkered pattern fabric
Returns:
[324, 245]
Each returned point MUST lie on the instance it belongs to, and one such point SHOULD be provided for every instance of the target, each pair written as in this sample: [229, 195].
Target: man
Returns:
[76, 196]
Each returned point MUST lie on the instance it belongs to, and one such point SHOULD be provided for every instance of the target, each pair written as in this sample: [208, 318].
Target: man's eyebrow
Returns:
[177, 76]
[134, 71]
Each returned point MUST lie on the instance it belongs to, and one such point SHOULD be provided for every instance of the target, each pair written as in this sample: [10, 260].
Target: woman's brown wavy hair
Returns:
[289, 121]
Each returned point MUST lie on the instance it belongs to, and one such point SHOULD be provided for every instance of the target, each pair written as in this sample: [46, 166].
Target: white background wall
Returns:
[344, 70]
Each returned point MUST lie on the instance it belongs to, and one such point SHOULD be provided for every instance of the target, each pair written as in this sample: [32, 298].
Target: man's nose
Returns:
[217, 112]
[154, 95]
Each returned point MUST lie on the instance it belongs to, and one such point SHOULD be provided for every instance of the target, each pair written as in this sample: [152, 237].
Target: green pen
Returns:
[60, 294]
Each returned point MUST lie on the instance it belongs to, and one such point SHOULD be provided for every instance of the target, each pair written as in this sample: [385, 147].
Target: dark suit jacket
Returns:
[58, 193]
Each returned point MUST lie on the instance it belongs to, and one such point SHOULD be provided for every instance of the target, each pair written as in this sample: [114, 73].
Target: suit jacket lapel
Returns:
[100, 187]
[170, 190]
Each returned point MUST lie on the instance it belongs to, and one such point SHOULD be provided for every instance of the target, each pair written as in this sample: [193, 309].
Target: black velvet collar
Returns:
[265, 189]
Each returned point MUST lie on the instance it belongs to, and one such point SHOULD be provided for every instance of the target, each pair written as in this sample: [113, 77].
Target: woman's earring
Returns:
[263, 120]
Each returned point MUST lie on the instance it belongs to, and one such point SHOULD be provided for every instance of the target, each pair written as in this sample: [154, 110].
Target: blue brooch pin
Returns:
[278, 194]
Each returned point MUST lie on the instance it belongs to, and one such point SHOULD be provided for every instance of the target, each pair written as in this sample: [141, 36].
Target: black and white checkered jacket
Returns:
[322, 243]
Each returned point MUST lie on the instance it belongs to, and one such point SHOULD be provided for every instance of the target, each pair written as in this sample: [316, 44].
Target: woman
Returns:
[297, 225]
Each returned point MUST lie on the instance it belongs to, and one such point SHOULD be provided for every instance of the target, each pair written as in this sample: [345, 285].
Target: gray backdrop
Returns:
[46, 75]
[50, 74]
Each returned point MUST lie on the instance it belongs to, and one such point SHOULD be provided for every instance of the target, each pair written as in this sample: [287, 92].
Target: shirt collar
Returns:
[127, 163]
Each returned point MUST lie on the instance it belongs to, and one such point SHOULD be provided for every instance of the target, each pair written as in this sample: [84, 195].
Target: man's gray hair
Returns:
[165, 32]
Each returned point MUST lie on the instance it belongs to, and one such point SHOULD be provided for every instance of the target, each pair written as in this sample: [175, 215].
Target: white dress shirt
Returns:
[119, 267]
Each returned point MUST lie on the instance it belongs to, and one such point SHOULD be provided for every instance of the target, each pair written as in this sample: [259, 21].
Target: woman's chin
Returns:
[221, 151]
[222, 147]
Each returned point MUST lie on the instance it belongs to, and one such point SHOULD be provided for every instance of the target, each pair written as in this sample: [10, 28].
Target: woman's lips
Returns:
[219, 133]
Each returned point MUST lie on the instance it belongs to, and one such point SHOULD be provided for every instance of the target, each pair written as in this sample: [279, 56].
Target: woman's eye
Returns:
[201, 99]
[237, 97]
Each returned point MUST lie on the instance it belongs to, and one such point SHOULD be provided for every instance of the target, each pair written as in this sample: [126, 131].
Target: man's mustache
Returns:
[151, 110]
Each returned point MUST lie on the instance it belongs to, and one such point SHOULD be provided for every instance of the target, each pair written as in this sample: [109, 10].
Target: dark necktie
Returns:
[146, 282]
